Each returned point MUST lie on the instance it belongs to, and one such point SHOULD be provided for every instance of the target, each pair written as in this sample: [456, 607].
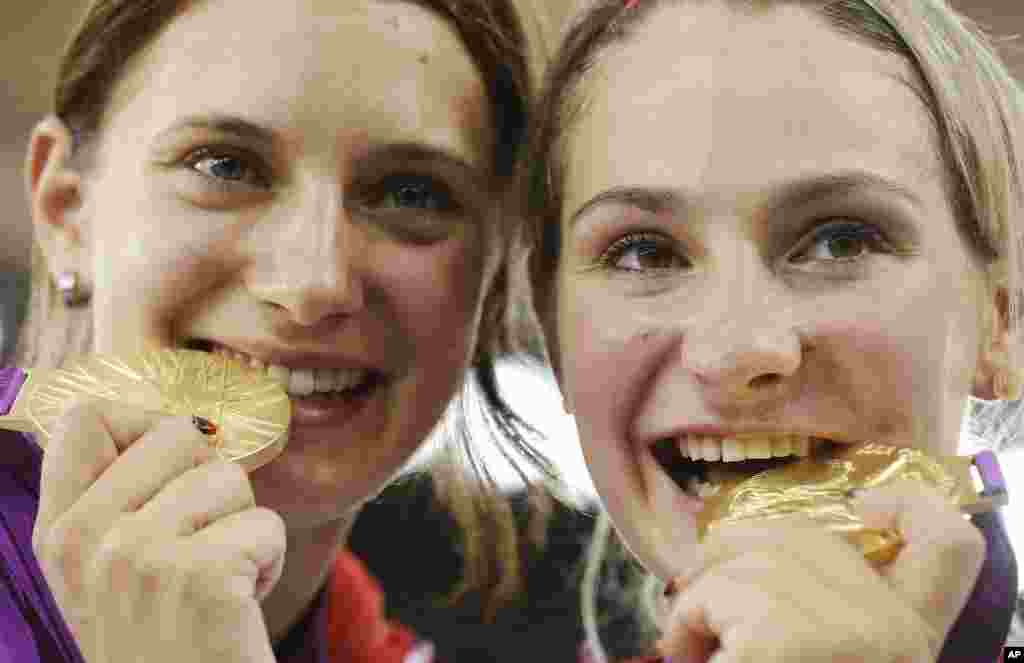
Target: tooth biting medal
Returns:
[250, 411]
[821, 484]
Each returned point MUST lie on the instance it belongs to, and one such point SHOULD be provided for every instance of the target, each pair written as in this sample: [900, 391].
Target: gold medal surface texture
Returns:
[250, 410]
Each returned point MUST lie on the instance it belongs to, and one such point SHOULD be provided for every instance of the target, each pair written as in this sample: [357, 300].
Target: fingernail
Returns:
[205, 426]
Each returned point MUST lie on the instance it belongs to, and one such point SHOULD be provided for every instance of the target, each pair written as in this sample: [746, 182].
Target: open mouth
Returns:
[321, 384]
[699, 464]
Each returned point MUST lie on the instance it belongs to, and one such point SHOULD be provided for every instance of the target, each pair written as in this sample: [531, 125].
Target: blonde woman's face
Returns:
[756, 237]
[304, 182]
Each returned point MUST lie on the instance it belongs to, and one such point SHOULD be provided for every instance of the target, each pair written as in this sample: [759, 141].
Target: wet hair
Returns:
[970, 97]
[101, 49]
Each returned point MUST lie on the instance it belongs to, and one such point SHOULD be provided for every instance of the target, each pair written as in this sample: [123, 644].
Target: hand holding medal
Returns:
[147, 518]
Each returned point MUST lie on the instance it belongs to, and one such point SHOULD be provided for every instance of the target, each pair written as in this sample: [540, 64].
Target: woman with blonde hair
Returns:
[309, 187]
[796, 218]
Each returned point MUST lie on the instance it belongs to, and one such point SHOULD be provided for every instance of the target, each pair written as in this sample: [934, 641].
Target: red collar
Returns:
[357, 630]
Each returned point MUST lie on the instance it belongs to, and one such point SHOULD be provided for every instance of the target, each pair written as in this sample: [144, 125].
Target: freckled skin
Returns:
[887, 352]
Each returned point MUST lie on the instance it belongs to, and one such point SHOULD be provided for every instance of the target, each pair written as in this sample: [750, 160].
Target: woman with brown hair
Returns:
[309, 187]
[763, 227]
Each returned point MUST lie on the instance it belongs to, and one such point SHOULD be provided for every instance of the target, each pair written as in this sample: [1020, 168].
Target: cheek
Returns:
[607, 362]
[437, 292]
[151, 263]
[903, 383]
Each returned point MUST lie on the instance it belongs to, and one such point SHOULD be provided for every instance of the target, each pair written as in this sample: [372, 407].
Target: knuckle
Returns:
[918, 643]
[63, 551]
[965, 548]
[126, 561]
[80, 412]
[116, 560]
[275, 522]
[207, 583]
[185, 439]
[237, 478]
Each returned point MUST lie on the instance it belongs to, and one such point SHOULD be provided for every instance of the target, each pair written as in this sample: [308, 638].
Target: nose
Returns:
[740, 362]
[312, 265]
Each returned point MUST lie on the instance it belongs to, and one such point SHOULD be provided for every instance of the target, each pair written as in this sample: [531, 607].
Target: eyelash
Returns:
[223, 153]
[874, 239]
[614, 253]
[433, 185]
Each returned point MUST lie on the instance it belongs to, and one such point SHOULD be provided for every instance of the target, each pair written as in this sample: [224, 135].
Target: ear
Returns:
[994, 357]
[54, 193]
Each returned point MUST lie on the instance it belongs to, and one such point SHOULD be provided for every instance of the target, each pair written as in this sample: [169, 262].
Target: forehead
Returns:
[311, 68]
[723, 102]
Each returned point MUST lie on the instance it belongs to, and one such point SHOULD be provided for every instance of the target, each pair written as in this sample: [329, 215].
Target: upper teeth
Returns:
[301, 381]
[732, 449]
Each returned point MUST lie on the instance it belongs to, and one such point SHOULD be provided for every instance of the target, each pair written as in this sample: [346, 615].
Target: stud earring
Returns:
[69, 285]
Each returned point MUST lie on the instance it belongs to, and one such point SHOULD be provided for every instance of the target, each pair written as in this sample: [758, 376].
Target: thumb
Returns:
[942, 555]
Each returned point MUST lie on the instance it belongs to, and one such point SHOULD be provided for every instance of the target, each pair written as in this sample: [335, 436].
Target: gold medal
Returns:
[820, 487]
[249, 410]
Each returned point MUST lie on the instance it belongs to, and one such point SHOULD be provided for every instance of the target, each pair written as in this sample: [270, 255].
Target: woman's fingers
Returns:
[140, 533]
[787, 590]
[199, 497]
[255, 541]
[170, 448]
[936, 570]
[193, 591]
[798, 535]
[78, 505]
[86, 441]
[744, 607]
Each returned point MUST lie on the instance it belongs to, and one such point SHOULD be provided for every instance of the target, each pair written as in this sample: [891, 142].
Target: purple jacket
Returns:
[32, 629]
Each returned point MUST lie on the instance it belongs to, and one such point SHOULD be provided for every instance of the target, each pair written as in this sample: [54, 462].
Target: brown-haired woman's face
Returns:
[305, 183]
[756, 237]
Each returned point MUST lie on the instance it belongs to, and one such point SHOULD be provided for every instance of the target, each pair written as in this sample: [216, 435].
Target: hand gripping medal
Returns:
[821, 485]
[249, 410]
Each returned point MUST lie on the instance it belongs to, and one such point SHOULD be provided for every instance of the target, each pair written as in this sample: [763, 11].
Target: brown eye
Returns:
[643, 252]
[843, 242]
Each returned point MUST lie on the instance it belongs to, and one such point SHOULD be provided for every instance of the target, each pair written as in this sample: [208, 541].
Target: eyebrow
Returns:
[789, 196]
[420, 152]
[224, 124]
[244, 129]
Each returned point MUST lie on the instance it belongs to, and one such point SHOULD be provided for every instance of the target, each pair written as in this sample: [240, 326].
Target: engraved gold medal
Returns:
[249, 410]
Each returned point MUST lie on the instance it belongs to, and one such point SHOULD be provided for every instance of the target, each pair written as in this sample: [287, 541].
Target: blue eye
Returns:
[415, 192]
[843, 242]
[224, 167]
[643, 252]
